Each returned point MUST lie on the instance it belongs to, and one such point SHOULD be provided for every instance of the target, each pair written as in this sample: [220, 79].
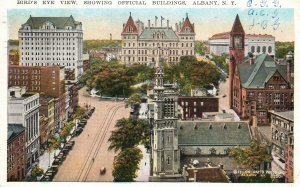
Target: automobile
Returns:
[102, 171]
[224, 95]
[78, 131]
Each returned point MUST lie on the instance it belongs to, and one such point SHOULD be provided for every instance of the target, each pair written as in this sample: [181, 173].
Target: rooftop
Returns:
[168, 33]
[202, 133]
[289, 115]
[14, 130]
[207, 174]
[58, 22]
[257, 74]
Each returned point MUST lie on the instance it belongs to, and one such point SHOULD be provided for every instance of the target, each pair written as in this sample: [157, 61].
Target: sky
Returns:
[99, 23]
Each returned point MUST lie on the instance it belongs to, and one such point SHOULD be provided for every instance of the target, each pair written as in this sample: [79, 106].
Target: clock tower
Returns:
[236, 52]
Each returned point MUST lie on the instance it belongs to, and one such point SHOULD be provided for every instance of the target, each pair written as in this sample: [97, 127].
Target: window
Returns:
[258, 49]
[252, 49]
[269, 49]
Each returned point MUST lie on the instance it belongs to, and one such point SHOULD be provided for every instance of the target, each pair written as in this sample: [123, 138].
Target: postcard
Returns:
[149, 91]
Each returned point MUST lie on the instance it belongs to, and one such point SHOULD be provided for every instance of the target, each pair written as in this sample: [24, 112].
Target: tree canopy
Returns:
[191, 73]
[126, 164]
[129, 133]
[251, 156]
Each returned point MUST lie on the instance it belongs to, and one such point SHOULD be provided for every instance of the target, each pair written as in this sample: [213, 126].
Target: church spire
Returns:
[159, 73]
[237, 26]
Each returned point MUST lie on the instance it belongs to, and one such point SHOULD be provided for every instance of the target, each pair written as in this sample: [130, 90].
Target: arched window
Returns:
[252, 49]
[269, 49]
[264, 49]
[258, 49]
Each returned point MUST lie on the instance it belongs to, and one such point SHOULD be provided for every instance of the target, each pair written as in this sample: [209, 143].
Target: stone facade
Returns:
[23, 109]
[52, 41]
[282, 127]
[47, 110]
[164, 139]
[255, 43]
[139, 43]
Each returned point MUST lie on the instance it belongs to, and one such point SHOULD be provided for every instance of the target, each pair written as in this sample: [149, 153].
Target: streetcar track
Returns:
[96, 143]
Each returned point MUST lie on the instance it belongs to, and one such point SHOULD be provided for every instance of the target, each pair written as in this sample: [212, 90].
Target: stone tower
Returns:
[165, 153]
[236, 52]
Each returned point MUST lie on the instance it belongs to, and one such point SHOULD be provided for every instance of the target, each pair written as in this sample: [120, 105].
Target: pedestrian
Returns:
[88, 135]
[93, 159]
[145, 163]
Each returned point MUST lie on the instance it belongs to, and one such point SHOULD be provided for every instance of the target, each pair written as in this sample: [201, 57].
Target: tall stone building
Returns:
[23, 108]
[52, 41]
[140, 43]
[165, 153]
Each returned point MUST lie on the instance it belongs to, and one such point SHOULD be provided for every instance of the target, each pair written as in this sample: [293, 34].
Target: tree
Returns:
[251, 156]
[36, 172]
[282, 48]
[134, 100]
[126, 164]
[129, 133]
[199, 47]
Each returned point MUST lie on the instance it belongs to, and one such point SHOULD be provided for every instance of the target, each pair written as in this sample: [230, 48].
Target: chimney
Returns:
[149, 23]
[123, 25]
[176, 27]
[167, 24]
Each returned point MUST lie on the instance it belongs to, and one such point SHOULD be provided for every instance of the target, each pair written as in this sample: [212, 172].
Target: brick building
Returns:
[74, 98]
[193, 107]
[16, 152]
[47, 110]
[257, 84]
[289, 163]
[44, 132]
[40, 79]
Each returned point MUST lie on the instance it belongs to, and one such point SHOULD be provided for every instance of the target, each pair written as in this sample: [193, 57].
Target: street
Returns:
[90, 152]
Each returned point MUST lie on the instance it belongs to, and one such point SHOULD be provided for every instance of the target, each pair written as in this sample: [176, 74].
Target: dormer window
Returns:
[68, 27]
[187, 29]
[130, 29]
[27, 27]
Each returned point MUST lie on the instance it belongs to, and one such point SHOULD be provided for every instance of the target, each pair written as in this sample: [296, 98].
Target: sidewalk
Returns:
[144, 171]
[44, 159]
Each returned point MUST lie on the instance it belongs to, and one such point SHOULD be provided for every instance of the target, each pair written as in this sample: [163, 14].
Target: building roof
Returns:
[187, 24]
[289, 115]
[226, 35]
[14, 130]
[213, 133]
[208, 174]
[237, 26]
[130, 24]
[257, 74]
[58, 22]
[147, 33]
